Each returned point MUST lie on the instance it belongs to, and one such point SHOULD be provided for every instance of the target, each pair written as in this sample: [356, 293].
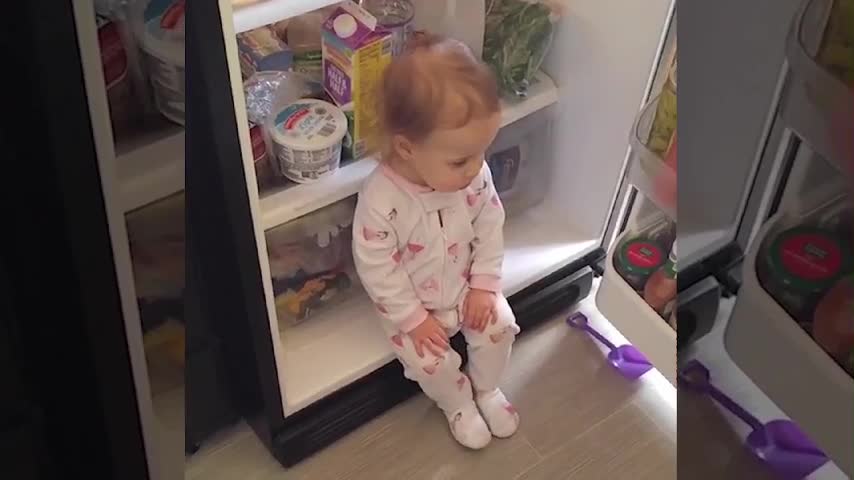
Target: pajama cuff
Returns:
[490, 283]
[416, 318]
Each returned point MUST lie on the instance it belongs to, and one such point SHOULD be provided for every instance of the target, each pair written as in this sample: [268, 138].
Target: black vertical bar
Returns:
[63, 297]
[220, 226]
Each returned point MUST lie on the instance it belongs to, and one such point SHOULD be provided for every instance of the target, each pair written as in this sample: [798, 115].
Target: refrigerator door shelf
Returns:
[251, 14]
[291, 202]
[790, 367]
[636, 320]
[150, 166]
[647, 172]
[817, 104]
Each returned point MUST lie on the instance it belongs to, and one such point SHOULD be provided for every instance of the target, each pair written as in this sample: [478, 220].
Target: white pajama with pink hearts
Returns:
[419, 252]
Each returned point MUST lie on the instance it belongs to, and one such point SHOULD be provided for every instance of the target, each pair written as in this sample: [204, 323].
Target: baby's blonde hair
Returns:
[415, 89]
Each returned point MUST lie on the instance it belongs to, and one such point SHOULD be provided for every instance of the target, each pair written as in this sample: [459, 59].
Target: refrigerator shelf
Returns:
[151, 166]
[295, 200]
[344, 342]
[251, 14]
[636, 320]
[647, 171]
[817, 105]
[790, 367]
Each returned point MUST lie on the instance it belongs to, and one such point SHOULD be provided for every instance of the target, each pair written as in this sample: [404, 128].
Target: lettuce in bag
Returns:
[517, 38]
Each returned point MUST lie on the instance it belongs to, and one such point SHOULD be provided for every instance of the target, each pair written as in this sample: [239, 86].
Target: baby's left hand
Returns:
[478, 309]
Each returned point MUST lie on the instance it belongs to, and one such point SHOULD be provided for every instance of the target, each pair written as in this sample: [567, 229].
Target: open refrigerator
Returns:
[569, 180]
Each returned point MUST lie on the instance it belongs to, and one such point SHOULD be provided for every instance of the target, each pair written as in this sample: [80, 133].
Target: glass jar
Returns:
[664, 122]
[394, 16]
[637, 259]
[797, 266]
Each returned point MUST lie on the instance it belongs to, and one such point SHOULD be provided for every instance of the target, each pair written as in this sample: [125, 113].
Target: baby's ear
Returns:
[402, 147]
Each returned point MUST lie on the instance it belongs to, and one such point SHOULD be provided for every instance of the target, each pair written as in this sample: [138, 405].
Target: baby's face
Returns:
[449, 159]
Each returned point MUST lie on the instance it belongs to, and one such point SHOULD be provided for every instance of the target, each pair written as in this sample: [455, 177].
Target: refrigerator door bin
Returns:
[629, 313]
[789, 348]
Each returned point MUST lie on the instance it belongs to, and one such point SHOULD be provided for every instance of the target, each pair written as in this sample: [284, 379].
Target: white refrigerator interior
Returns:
[574, 125]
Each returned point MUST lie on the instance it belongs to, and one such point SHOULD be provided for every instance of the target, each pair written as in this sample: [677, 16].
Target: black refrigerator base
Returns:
[322, 423]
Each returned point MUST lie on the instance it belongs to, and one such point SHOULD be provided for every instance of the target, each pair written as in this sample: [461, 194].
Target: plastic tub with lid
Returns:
[307, 136]
[160, 34]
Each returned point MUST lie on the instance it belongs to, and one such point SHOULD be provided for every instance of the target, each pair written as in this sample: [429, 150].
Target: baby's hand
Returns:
[478, 309]
[430, 335]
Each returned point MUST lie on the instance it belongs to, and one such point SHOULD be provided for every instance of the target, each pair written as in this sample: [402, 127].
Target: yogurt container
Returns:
[307, 137]
[161, 38]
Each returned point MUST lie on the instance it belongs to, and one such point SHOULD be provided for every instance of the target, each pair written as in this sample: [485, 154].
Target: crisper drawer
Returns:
[518, 159]
[797, 347]
[621, 302]
[311, 262]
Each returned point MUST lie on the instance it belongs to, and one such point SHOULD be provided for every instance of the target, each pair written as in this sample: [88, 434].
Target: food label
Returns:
[643, 255]
[811, 257]
[303, 120]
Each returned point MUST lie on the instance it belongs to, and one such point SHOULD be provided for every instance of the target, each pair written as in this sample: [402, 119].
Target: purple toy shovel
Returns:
[778, 443]
[627, 359]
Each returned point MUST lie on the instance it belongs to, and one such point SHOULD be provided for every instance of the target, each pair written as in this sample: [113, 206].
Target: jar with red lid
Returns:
[798, 265]
[636, 259]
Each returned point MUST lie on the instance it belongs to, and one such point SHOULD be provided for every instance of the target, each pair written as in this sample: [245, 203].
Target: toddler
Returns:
[428, 242]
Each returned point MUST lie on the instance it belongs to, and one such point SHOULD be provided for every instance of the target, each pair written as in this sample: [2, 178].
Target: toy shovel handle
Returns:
[579, 320]
[697, 376]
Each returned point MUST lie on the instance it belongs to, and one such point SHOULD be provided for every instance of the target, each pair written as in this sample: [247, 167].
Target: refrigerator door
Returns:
[69, 307]
[789, 329]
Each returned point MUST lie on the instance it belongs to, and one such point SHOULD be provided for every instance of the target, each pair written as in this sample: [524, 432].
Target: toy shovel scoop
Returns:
[779, 443]
[627, 359]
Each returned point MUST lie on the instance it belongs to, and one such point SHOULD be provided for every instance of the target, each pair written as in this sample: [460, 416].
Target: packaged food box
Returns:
[311, 261]
[262, 50]
[355, 55]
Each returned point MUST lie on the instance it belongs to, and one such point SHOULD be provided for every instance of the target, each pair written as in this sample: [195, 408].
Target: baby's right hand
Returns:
[430, 335]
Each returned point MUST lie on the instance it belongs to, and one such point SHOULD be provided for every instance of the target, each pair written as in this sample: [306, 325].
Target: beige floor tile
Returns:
[709, 448]
[412, 442]
[567, 397]
[562, 386]
[625, 445]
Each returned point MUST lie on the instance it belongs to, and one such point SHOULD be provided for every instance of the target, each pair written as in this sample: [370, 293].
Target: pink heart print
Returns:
[371, 235]
[471, 198]
[381, 308]
[414, 248]
[431, 369]
[467, 273]
[454, 252]
[495, 201]
[461, 382]
[397, 256]
[397, 340]
[430, 285]
[510, 409]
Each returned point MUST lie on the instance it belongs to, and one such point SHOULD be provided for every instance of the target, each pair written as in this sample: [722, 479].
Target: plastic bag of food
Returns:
[517, 38]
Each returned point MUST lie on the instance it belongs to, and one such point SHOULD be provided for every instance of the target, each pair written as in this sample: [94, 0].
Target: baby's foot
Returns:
[468, 427]
[502, 418]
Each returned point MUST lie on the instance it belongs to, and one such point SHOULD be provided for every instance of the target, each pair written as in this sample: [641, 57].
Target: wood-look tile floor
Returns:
[580, 420]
